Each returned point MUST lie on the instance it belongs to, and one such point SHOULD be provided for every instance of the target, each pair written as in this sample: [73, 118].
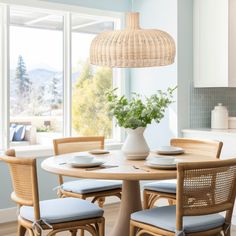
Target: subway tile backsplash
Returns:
[203, 100]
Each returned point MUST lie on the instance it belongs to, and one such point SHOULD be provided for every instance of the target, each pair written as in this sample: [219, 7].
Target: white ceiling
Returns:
[35, 19]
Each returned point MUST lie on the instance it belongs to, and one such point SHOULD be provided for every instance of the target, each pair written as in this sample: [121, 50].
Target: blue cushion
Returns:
[84, 186]
[63, 210]
[19, 133]
[12, 132]
[165, 218]
[165, 186]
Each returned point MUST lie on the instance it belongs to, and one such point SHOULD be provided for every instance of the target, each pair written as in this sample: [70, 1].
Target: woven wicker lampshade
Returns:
[132, 47]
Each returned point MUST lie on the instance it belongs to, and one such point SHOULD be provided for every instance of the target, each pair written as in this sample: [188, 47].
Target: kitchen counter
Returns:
[211, 131]
[228, 137]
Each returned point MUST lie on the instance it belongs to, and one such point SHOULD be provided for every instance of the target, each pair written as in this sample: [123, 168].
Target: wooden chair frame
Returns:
[138, 228]
[94, 225]
[97, 196]
[208, 148]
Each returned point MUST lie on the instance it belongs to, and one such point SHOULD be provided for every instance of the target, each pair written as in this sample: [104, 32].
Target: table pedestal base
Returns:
[130, 202]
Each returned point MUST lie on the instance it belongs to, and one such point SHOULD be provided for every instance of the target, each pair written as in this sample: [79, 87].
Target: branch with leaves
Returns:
[139, 112]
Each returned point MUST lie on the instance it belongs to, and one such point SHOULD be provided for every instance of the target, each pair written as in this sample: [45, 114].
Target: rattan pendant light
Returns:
[132, 47]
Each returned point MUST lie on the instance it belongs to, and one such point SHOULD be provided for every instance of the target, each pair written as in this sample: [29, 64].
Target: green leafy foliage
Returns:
[135, 112]
[89, 106]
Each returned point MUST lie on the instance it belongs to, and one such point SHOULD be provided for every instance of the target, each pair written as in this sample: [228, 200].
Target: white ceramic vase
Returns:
[135, 146]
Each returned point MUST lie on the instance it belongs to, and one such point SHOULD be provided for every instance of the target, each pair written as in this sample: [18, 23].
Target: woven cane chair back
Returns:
[77, 144]
[24, 179]
[206, 188]
[201, 147]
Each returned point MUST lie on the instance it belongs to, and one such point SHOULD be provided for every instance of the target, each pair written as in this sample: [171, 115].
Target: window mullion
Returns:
[67, 75]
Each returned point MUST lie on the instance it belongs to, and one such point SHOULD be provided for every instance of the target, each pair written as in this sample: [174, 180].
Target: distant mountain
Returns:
[44, 66]
[41, 76]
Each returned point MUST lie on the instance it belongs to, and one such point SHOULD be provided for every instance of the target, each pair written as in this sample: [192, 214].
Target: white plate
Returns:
[161, 166]
[94, 163]
[169, 150]
[162, 160]
[99, 152]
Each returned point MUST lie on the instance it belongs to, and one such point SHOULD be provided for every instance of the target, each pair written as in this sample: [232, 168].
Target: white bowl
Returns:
[162, 160]
[82, 159]
[169, 149]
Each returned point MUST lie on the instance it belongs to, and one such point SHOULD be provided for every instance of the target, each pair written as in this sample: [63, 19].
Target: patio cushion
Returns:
[62, 210]
[19, 132]
[84, 186]
[165, 186]
[165, 218]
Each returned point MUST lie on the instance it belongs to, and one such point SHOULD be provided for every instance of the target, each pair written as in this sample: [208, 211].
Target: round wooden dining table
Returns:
[117, 167]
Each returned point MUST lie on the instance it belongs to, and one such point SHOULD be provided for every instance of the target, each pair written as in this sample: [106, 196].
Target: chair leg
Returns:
[145, 199]
[102, 228]
[81, 232]
[101, 202]
[31, 232]
[73, 232]
[131, 230]
[21, 230]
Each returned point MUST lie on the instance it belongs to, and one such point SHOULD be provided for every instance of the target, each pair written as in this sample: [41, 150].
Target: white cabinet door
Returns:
[211, 40]
[232, 43]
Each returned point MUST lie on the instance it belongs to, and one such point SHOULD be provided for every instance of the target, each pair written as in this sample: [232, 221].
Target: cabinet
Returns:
[214, 43]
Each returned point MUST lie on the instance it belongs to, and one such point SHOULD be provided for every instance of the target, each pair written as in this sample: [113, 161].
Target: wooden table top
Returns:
[124, 169]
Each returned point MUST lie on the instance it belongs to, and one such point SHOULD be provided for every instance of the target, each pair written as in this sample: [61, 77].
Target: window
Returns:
[52, 89]
[89, 83]
[36, 76]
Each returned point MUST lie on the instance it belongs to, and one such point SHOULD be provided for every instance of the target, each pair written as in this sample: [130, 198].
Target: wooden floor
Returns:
[110, 215]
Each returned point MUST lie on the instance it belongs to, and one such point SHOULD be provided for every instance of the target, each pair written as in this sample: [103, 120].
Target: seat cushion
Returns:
[63, 210]
[165, 186]
[90, 186]
[165, 218]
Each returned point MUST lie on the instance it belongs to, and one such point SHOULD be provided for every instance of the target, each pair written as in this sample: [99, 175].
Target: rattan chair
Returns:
[85, 188]
[167, 188]
[56, 215]
[204, 190]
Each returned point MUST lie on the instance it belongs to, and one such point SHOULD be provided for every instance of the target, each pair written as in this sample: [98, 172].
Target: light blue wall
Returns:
[185, 61]
[113, 5]
[175, 17]
[160, 14]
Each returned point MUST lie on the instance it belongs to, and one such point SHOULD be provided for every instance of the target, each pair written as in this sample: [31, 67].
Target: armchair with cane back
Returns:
[167, 188]
[55, 215]
[203, 191]
[85, 188]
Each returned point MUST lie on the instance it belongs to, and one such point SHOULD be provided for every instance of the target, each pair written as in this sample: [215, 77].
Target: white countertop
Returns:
[211, 131]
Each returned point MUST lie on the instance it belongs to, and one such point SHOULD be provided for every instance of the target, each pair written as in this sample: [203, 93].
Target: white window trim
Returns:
[4, 76]
[67, 41]
[66, 11]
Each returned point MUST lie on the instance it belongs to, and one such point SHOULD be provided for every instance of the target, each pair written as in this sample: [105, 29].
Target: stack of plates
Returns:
[161, 162]
[169, 150]
[83, 161]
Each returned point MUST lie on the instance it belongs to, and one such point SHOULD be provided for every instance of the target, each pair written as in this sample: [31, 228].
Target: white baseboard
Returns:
[8, 215]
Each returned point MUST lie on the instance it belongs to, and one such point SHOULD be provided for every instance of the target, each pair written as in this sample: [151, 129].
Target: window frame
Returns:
[66, 11]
